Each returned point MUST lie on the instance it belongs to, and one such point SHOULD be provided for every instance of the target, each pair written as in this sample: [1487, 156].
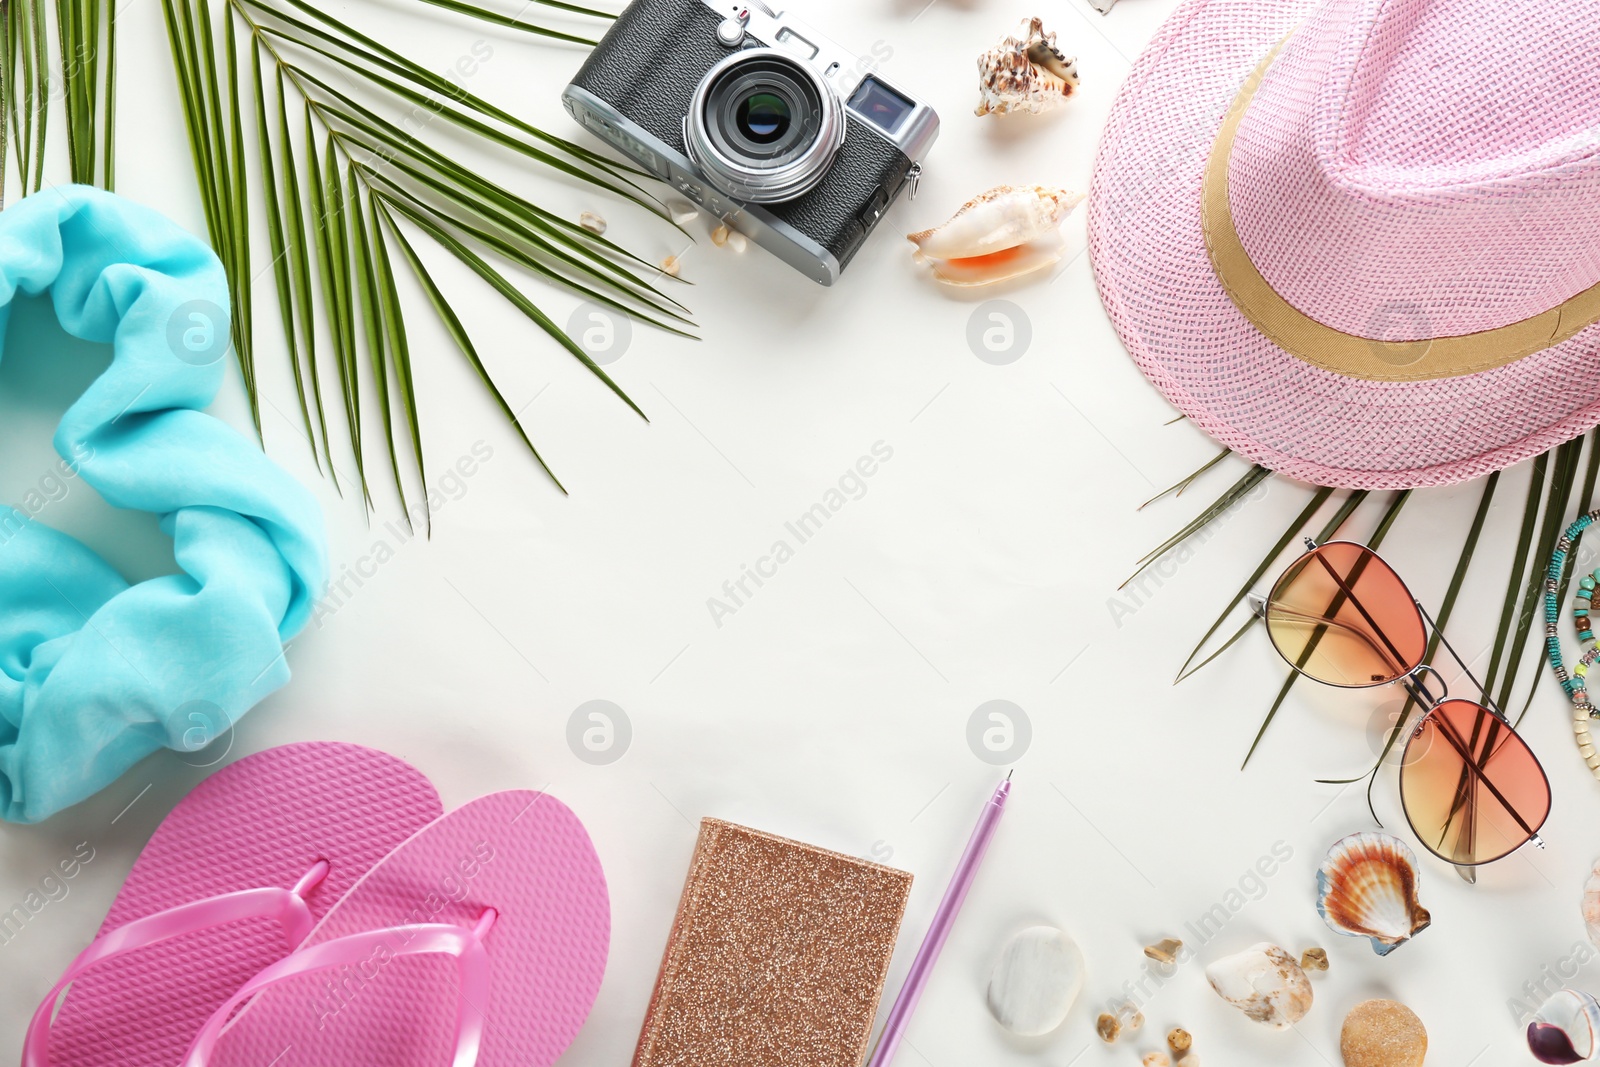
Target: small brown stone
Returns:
[1314, 959]
[1164, 951]
[1178, 1040]
[1108, 1026]
[1382, 1033]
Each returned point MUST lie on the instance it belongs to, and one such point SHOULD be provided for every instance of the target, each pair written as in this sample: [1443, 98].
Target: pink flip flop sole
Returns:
[523, 854]
[261, 821]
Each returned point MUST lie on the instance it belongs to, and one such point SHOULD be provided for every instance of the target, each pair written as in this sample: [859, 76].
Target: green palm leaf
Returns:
[335, 178]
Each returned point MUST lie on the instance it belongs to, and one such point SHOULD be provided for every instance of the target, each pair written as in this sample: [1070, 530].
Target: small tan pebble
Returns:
[1164, 951]
[1108, 1026]
[727, 235]
[1178, 1040]
[1131, 1016]
[1189, 1059]
[1314, 959]
[1382, 1033]
[670, 266]
[1157, 1059]
[592, 222]
[682, 211]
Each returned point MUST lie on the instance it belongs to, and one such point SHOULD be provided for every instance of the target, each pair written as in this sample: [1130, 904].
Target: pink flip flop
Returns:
[481, 940]
[232, 880]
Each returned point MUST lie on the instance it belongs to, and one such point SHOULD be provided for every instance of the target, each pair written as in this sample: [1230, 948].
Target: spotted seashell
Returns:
[1367, 887]
[1025, 72]
[1566, 1029]
[1591, 904]
[1265, 983]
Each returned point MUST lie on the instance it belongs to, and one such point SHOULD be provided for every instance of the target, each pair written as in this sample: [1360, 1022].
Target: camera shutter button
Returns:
[730, 31]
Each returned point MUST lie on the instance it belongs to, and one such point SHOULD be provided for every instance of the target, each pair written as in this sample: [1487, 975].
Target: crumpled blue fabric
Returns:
[96, 674]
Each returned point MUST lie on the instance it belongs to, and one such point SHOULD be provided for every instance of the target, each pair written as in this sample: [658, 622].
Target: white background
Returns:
[981, 562]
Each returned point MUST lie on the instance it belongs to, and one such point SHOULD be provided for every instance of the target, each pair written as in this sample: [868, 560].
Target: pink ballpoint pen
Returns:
[894, 1028]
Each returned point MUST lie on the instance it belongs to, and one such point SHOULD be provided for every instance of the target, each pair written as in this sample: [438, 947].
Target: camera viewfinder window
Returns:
[879, 104]
[797, 44]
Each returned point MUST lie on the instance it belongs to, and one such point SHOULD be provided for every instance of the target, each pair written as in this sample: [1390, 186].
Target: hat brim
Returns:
[1182, 329]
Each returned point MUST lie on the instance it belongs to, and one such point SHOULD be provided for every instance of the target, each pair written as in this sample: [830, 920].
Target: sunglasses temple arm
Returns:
[1488, 701]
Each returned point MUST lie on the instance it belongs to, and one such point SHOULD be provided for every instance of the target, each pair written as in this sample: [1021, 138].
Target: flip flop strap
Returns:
[287, 906]
[354, 950]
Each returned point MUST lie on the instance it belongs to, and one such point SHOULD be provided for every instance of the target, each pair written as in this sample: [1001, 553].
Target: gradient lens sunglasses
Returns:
[1471, 789]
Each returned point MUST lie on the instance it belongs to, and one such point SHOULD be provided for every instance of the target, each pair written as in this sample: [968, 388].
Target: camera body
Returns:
[758, 118]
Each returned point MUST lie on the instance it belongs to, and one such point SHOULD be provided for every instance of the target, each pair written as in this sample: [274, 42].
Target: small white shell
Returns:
[1367, 887]
[1039, 975]
[1025, 72]
[592, 222]
[1591, 904]
[1566, 1029]
[1003, 233]
[1265, 983]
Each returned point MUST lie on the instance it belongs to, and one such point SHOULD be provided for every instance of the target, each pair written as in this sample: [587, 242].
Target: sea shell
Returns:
[1265, 983]
[1382, 1033]
[1004, 233]
[1591, 904]
[1367, 887]
[1039, 975]
[1025, 72]
[1566, 1029]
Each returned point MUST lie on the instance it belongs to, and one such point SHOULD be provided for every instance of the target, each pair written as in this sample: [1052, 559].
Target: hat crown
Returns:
[1413, 169]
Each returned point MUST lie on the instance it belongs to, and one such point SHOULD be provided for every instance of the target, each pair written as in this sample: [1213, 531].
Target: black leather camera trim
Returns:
[647, 67]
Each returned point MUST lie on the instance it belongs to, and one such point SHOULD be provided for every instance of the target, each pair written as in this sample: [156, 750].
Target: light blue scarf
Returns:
[95, 674]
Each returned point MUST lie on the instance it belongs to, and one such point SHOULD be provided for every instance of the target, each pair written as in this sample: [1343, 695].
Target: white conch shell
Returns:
[1591, 904]
[1025, 72]
[1566, 1029]
[1003, 233]
[1367, 887]
[1265, 983]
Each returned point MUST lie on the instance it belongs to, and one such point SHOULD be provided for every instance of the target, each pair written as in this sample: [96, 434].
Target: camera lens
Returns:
[763, 117]
[763, 126]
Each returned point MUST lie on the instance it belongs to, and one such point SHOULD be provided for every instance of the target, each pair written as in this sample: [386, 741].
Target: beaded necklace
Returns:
[1574, 683]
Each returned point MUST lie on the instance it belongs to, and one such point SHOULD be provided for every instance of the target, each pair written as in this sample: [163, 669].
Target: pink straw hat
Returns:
[1358, 241]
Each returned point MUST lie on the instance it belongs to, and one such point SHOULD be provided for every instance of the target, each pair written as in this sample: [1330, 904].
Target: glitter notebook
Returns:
[777, 957]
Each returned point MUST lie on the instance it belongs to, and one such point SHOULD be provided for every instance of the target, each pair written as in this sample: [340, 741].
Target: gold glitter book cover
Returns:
[777, 957]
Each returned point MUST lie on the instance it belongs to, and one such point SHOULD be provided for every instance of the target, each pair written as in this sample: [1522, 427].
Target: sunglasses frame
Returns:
[1259, 605]
[1411, 679]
